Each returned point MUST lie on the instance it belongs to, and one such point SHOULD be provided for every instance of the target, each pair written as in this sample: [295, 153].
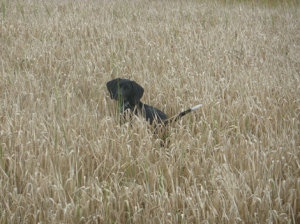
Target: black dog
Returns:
[128, 93]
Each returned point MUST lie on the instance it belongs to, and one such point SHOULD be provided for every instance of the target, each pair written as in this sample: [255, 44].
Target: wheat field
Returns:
[65, 157]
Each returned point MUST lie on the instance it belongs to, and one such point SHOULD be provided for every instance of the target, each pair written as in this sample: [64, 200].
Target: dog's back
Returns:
[152, 113]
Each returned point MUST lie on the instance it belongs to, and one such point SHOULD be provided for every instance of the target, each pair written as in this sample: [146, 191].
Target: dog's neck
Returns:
[124, 106]
[127, 105]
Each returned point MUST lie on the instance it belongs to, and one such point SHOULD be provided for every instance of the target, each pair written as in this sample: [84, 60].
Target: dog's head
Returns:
[128, 93]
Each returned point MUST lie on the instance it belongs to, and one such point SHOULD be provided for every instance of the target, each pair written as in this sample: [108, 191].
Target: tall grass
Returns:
[64, 157]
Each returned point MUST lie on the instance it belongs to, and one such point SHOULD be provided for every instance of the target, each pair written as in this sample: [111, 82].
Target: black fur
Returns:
[128, 93]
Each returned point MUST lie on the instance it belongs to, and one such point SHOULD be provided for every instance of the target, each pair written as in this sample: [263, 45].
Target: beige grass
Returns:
[64, 158]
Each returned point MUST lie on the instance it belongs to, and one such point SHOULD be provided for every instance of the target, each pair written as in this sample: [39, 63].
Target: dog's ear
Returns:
[137, 91]
[112, 87]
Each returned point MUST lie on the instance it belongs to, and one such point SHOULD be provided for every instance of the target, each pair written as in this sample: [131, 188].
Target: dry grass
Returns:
[64, 158]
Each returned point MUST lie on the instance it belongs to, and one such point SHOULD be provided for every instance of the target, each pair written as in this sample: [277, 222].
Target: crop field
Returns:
[65, 156]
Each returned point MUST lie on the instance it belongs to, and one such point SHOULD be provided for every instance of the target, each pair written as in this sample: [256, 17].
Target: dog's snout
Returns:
[119, 95]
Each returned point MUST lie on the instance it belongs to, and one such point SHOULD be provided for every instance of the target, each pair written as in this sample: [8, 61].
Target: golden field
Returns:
[65, 157]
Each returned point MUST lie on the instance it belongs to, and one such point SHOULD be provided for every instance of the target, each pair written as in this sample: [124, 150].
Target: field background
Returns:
[64, 157]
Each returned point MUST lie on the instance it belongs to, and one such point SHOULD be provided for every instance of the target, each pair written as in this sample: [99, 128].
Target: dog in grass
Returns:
[128, 94]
